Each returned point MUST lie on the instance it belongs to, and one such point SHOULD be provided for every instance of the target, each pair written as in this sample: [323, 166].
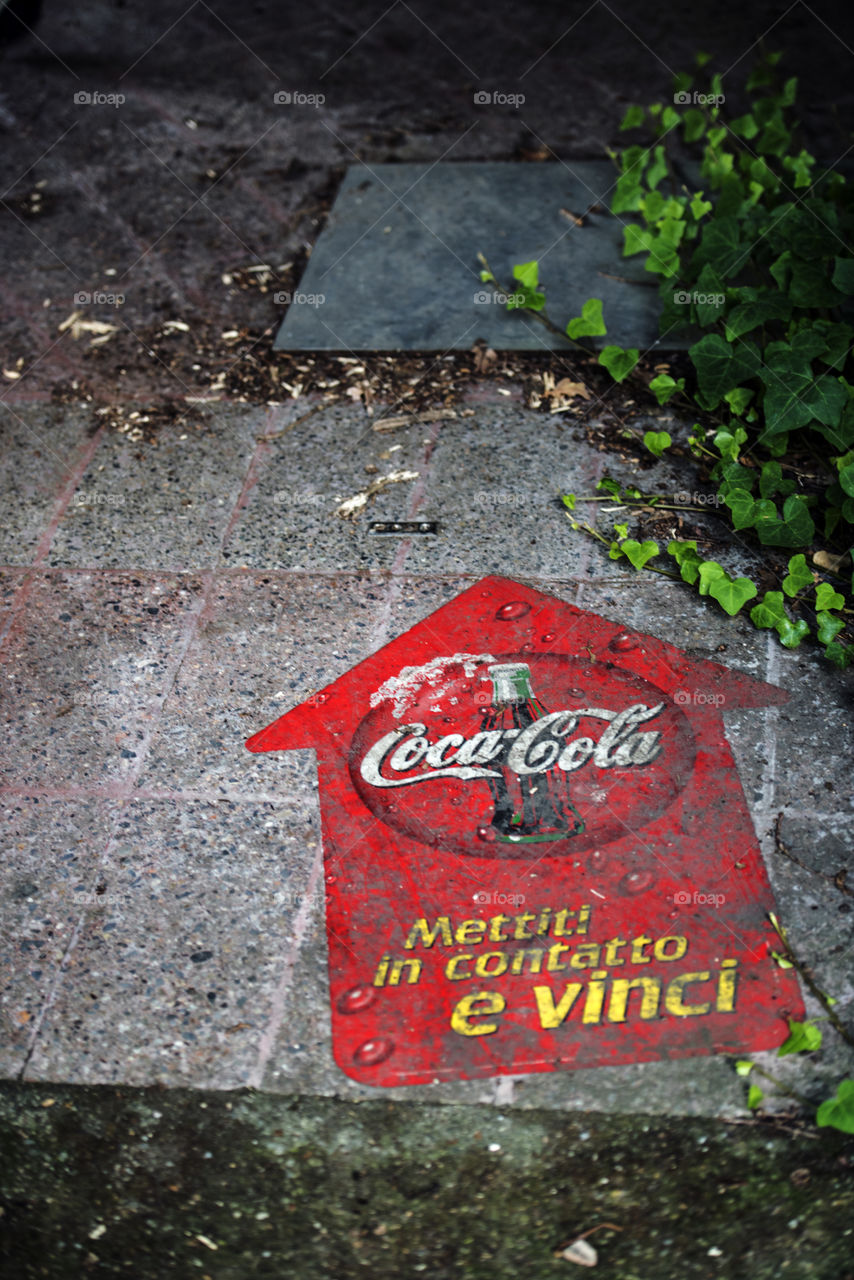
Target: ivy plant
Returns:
[756, 258]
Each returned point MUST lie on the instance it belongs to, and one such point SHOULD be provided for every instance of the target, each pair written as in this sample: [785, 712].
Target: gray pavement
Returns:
[173, 576]
[164, 890]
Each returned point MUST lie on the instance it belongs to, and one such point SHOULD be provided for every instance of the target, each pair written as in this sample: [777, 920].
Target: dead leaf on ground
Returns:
[407, 419]
[78, 327]
[581, 1252]
[352, 506]
[484, 358]
[826, 560]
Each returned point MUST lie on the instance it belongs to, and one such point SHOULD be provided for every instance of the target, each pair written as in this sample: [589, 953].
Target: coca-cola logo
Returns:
[583, 754]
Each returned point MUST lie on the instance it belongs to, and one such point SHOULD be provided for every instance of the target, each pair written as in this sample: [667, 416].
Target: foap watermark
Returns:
[483, 898]
[293, 98]
[682, 298]
[489, 297]
[99, 299]
[698, 698]
[84, 499]
[695, 898]
[697, 99]
[85, 98]
[695, 499]
[285, 299]
[495, 98]
[299, 498]
[500, 498]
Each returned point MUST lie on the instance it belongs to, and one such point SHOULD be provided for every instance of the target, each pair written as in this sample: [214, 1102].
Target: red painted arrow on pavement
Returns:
[538, 853]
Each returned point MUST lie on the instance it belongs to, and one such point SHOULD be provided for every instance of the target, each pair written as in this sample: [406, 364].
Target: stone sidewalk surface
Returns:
[162, 888]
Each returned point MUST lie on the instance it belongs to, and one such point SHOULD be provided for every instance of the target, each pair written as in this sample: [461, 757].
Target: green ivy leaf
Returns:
[618, 362]
[710, 571]
[839, 1111]
[590, 322]
[698, 206]
[796, 529]
[633, 118]
[829, 627]
[769, 612]
[639, 552]
[738, 399]
[799, 576]
[827, 598]
[843, 275]
[846, 478]
[664, 387]
[568, 500]
[657, 442]
[528, 274]
[721, 366]
[731, 594]
[791, 634]
[742, 508]
[803, 1037]
[722, 247]
[686, 556]
[771, 481]
[744, 1067]
[754, 1096]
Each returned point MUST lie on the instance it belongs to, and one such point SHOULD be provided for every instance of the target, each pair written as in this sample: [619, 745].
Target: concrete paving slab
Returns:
[290, 520]
[164, 502]
[85, 674]
[50, 851]
[266, 643]
[41, 450]
[396, 266]
[178, 962]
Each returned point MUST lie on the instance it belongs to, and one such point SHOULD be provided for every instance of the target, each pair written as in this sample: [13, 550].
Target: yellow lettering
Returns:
[638, 945]
[611, 949]
[674, 1002]
[585, 956]
[552, 1015]
[726, 987]
[482, 968]
[555, 952]
[561, 929]
[397, 967]
[427, 935]
[470, 931]
[621, 990]
[382, 970]
[676, 952]
[534, 954]
[583, 918]
[543, 920]
[595, 996]
[451, 967]
[477, 1005]
[495, 934]
[520, 933]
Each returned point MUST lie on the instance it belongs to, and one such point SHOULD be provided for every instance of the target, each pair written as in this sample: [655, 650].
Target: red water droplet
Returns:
[576, 693]
[373, 1052]
[637, 882]
[512, 610]
[356, 999]
[487, 834]
[598, 860]
[623, 641]
[548, 636]
[526, 648]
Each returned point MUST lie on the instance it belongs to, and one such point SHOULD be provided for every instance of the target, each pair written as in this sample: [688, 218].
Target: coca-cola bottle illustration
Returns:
[528, 807]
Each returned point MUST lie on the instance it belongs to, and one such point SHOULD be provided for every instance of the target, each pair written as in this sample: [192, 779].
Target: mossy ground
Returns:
[156, 1183]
